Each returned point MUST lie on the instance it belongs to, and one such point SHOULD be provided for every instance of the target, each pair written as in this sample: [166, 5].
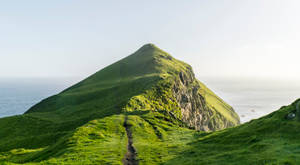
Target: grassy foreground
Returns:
[162, 139]
[157, 137]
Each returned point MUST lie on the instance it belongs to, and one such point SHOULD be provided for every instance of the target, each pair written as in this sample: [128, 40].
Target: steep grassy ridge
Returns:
[216, 103]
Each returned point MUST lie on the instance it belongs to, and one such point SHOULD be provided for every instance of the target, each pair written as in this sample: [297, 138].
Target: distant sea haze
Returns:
[253, 98]
[18, 95]
[250, 99]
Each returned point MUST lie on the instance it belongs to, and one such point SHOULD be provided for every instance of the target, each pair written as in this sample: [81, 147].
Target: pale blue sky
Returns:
[220, 38]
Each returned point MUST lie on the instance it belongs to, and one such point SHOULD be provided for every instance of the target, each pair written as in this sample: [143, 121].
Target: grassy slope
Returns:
[100, 141]
[157, 136]
[103, 94]
[273, 139]
[129, 81]
[43, 133]
[216, 103]
[162, 139]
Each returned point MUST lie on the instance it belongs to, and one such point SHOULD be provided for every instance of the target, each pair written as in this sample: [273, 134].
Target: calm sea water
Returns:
[18, 95]
[250, 99]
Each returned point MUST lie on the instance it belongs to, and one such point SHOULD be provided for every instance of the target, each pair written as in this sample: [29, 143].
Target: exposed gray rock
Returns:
[291, 116]
[194, 109]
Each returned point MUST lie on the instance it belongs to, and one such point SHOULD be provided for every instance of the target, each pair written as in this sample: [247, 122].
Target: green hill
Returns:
[272, 139]
[147, 108]
[149, 79]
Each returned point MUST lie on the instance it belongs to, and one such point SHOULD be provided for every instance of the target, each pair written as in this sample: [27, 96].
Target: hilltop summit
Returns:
[148, 46]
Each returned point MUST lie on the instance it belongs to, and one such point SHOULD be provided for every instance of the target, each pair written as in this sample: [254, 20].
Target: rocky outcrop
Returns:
[194, 109]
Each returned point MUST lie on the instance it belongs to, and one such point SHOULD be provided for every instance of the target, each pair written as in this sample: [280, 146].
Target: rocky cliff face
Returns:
[187, 99]
[195, 110]
[179, 92]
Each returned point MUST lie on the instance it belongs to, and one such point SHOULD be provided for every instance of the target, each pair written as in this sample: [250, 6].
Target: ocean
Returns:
[18, 95]
[250, 98]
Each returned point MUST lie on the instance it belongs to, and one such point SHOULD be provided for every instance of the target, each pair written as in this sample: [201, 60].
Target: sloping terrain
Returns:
[273, 139]
[159, 138]
[148, 100]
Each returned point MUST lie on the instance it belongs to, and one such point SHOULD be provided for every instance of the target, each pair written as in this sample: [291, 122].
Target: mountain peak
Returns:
[148, 47]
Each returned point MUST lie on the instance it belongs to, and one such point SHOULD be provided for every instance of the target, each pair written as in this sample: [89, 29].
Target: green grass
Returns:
[97, 142]
[157, 138]
[273, 139]
[217, 104]
[143, 80]
[160, 138]
[84, 123]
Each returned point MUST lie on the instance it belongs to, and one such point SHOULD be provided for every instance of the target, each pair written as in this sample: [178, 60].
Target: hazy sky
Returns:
[75, 38]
